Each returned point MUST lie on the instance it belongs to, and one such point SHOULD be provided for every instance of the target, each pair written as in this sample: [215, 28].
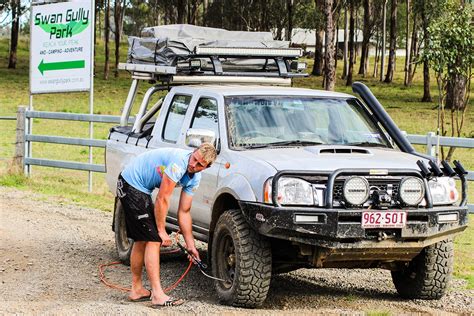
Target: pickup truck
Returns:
[303, 179]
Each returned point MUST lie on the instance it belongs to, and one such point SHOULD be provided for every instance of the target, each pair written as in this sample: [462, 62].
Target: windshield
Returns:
[265, 121]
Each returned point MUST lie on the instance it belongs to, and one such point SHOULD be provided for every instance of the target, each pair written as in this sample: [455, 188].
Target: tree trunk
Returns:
[119, 10]
[367, 31]
[204, 12]
[426, 83]
[318, 54]
[351, 43]
[106, 39]
[413, 51]
[181, 7]
[384, 37]
[426, 68]
[329, 69]
[377, 57]
[408, 45]
[336, 40]
[456, 92]
[16, 8]
[393, 43]
[346, 44]
[289, 7]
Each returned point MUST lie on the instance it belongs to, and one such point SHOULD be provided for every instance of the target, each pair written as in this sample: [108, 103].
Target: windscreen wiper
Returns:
[366, 144]
[295, 142]
[252, 146]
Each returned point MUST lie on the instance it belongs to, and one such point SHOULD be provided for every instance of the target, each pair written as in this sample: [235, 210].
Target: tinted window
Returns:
[205, 116]
[175, 117]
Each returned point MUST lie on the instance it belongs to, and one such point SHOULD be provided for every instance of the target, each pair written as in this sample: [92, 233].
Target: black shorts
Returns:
[139, 212]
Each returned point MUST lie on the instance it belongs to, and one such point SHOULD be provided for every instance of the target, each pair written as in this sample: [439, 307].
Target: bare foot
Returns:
[140, 294]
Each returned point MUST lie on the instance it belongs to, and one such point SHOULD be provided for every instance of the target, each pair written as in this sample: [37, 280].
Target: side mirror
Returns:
[195, 137]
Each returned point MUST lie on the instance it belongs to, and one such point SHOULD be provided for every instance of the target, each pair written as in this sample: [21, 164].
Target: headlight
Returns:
[356, 190]
[443, 190]
[291, 191]
[411, 191]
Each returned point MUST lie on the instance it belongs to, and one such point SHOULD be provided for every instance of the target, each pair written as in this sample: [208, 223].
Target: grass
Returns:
[402, 103]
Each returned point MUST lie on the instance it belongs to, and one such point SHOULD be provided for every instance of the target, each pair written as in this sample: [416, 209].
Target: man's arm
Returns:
[185, 222]
[162, 205]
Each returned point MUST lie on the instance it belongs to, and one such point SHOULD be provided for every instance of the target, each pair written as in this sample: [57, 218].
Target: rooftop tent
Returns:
[168, 45]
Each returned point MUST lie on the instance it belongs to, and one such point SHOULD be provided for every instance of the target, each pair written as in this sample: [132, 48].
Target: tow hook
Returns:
[382, 236]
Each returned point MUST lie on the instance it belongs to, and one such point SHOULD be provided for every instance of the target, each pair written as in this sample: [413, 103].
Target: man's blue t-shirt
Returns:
[146, 171]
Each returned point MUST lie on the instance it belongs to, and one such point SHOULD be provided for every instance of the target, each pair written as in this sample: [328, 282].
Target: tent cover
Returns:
[167, 45]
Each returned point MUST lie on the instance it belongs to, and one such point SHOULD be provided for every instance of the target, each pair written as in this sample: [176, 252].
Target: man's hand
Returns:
[165, 239]
[194, 252]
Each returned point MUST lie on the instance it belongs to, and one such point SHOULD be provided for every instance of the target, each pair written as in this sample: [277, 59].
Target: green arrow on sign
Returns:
[62, 65]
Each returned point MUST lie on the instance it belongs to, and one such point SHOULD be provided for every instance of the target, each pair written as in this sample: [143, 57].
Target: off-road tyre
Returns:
[252, 260]
[428, 274]
[123, 244]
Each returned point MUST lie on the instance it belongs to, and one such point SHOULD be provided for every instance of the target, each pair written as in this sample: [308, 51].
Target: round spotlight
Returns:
[356, 190]
[411, 191]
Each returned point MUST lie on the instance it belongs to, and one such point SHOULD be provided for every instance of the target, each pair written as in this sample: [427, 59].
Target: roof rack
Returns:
[272, 66]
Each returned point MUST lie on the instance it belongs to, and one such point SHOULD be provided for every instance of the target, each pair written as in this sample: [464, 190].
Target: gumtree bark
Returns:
[456, 93]
[408, 45]
[318, 54]
[346, 44]
[106, 39]
[426, 68]
[367, 32]
[413, 50]
[16, 7]
[351, 43]
[377, 56]
[384, 37]
[393, 42]
[204, 12]
[329, 69]
[289, 7]
[119, 11]
[318, 49]
[181, 7]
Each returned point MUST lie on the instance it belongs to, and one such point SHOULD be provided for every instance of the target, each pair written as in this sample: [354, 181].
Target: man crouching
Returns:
[164, 169]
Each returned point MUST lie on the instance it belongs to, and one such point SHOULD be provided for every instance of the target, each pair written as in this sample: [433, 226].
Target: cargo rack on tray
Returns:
[278, 67]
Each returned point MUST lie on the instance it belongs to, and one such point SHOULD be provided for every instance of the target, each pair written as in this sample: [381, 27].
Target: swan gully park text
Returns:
[60, 25]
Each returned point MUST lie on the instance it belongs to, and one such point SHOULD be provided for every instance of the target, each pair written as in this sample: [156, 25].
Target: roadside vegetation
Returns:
[69, 186]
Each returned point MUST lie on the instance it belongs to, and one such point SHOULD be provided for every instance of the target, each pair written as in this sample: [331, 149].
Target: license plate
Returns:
[384, 219]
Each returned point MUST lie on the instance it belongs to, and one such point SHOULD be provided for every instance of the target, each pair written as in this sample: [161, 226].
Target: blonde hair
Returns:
[208, 152]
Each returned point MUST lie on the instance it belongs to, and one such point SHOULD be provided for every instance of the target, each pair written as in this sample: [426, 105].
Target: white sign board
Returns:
[61, 47]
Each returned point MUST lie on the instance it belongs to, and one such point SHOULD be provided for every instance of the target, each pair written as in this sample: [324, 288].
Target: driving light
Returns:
[356, 190]
[411, 191]
[241, 51]
[443, 191]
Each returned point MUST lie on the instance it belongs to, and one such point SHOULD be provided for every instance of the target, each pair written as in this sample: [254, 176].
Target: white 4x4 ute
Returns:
[303, 178]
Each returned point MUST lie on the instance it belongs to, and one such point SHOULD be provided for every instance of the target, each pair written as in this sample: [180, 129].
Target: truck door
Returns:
[171, 134]
[205, 116]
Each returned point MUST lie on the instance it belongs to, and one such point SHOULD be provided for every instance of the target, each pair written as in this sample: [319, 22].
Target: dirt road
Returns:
[50, 252]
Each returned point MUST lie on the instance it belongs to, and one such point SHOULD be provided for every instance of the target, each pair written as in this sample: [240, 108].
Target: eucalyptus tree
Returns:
[393, 41]
[450, 53]
[351, 42]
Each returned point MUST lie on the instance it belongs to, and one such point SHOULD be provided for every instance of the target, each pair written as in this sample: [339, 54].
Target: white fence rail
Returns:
[430, 140]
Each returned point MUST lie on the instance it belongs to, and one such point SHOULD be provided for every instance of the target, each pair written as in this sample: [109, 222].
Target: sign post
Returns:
[62, 52]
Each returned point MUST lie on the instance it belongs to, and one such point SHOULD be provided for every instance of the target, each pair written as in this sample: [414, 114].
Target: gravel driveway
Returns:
[50, 252]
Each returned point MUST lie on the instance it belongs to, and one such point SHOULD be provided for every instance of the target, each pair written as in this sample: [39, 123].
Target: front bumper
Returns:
[341, 228]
